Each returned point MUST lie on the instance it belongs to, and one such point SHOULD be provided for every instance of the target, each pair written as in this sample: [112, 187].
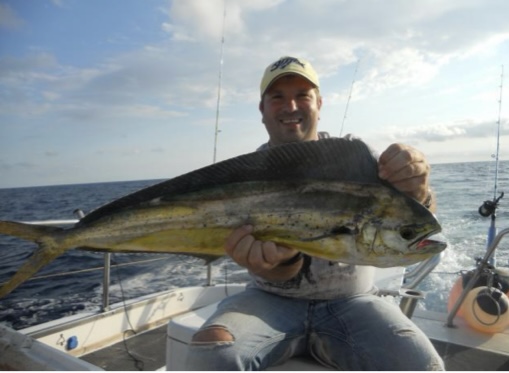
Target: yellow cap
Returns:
[288, 65]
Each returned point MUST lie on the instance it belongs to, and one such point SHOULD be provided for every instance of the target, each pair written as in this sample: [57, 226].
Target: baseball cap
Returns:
[288, 65]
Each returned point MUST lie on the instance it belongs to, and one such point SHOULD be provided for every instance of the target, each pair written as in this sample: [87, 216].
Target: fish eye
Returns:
[408, 233]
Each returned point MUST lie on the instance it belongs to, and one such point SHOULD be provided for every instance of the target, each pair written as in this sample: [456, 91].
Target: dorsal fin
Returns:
[338, 159]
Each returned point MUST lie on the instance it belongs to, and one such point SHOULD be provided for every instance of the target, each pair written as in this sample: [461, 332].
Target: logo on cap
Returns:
[285, 61]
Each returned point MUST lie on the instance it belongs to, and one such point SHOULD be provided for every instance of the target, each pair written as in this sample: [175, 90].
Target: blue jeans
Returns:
[362, 332]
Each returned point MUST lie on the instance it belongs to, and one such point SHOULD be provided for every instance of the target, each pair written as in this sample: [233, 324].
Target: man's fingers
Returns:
[236, 236]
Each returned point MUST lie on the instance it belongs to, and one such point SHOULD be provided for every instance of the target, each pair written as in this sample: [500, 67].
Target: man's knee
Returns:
[213, 334]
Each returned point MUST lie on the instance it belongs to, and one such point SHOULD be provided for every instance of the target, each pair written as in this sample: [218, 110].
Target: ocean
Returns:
[65, 287]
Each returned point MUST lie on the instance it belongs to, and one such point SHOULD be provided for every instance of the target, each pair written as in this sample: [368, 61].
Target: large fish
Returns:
[323, 198]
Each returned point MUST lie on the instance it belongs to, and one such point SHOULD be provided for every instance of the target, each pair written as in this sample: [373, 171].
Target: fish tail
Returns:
[30, 232]
[48, 250]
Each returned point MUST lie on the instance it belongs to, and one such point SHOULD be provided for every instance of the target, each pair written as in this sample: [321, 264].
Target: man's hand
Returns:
[406, 169]
[261, 257]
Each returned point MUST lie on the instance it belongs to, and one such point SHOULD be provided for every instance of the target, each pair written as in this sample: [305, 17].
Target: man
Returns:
[302, 305]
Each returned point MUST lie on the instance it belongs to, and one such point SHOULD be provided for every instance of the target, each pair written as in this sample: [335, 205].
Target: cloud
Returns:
[12, 166]
[200, 20]
[13, 69]
[442, 132]
[398, 43]
[403, 47]
[38, 84]
[58, 3]
[9, 20]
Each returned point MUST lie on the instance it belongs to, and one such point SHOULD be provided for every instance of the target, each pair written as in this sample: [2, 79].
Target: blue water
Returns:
[460, 189]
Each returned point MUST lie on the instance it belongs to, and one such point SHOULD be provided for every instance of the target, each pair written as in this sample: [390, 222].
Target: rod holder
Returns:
[409, 299]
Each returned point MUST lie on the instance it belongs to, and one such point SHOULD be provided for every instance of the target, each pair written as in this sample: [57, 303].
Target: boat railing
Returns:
[411, 279]
[481, 266]
[414, 276]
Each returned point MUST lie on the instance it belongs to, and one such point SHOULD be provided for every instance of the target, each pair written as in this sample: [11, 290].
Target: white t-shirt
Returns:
[320, 278]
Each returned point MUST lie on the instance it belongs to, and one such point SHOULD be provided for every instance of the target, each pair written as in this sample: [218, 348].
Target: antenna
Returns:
[216, 131]
[349, 97]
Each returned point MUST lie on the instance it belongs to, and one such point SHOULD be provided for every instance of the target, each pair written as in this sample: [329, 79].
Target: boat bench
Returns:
[181, 329]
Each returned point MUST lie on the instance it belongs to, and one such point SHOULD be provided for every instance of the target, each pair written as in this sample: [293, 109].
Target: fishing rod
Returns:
[217, 130]
[488, 208]
[485, 278]
[349, 97]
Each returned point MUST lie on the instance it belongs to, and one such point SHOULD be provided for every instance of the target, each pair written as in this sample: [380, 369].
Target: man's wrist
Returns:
[429, 199]
[294, 259]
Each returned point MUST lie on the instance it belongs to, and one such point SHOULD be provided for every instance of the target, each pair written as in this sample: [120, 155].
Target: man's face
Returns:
[290, 110]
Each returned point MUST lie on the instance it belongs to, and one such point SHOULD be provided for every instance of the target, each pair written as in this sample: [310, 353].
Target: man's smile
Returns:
[291, 122]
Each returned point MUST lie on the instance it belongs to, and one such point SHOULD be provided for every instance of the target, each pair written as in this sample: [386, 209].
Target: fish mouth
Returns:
[431, 240]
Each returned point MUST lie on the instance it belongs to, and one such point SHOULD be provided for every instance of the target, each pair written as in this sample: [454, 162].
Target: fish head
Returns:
[401, 244]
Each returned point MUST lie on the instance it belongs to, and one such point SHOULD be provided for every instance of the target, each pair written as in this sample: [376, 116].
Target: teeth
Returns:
[290, 121]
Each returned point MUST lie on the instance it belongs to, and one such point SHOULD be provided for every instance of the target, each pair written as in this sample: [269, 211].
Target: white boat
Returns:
[152, 332]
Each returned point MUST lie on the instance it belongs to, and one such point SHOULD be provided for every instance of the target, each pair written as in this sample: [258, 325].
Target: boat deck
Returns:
[460, 348]
[143, 351]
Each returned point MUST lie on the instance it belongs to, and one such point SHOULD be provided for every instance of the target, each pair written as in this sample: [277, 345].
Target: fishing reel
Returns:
[488, 207]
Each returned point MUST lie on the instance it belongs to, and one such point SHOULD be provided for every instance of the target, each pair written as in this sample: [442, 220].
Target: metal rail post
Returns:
[106, 272]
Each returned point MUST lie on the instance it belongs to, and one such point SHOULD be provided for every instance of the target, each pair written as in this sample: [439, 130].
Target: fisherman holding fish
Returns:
[302, 305]
[307, 215]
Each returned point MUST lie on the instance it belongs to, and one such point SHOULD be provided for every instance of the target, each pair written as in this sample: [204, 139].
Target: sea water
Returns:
[73, 282]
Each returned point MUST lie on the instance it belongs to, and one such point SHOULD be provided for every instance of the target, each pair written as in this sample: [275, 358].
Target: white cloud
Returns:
[58, 3]
[424, 62]
[441, 132]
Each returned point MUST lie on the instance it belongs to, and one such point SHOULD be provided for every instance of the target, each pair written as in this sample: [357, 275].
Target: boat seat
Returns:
[181, 329]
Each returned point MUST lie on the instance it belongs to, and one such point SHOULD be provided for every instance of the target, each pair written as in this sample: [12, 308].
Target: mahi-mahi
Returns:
[323, 198]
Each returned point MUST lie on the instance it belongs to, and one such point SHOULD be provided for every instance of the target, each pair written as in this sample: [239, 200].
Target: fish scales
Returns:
[338, 159]
[322, 197]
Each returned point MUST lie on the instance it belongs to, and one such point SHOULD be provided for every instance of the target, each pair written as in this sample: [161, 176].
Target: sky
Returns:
[96, 90]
